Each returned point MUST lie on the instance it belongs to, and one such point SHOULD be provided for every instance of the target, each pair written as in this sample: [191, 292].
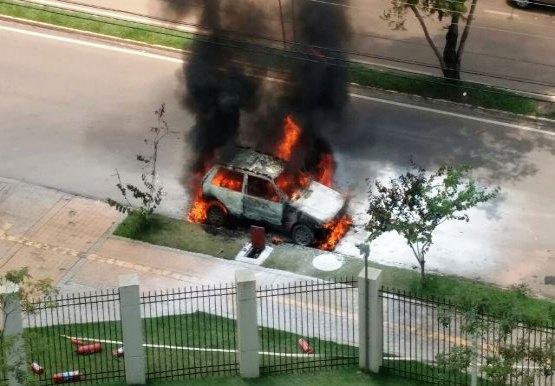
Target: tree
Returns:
[150, 196]
[416, 204]
[27, 290]
[454, 10]
[517, 350]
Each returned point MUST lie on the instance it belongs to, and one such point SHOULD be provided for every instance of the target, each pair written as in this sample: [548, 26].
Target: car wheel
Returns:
[216, 216]
[302, 234]
[522, 3]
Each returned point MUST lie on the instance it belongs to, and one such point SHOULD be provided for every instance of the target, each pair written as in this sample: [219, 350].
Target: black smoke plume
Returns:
[218, 89]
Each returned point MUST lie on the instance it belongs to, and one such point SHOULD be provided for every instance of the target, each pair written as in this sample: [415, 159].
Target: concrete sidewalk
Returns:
[68, 239]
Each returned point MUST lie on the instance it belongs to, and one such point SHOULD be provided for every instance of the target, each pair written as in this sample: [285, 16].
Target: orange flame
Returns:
[197, 213]
[336, 230]
[324, 170]
[291, 183]
[227, 179]
[291, 135]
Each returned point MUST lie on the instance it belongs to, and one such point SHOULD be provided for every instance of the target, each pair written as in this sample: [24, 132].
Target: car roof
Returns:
[254, 162]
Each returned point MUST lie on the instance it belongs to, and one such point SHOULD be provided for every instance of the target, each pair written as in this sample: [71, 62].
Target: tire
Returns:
[303, 235]
[216, 216]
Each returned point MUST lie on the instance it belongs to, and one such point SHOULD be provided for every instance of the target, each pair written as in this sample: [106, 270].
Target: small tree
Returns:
[27, 290]
[517, 351]
[454, 11]
[416, 204]
[149, 196]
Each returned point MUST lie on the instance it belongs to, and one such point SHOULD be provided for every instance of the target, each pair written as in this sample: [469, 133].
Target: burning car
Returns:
[262, 188]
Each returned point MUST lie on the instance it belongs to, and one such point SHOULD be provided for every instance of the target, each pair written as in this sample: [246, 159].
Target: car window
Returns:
[259, 187]
[229, 179]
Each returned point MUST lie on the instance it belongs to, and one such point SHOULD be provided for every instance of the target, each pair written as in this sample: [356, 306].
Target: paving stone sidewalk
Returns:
[68, 239]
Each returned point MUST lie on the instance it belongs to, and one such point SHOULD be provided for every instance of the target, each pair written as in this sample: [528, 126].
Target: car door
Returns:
[261, 201]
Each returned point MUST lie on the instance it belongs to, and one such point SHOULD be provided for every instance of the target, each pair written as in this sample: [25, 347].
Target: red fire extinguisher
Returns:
[89, 349]
[118, 353]
[67, 376]
[36, 368]
[76, 342]
[305, 346]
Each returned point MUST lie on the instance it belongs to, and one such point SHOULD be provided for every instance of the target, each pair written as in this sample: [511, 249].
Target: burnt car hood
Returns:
[319, 202]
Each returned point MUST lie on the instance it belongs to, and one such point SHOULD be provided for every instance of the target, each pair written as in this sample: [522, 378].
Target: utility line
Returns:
[303, 56]
[162, 19]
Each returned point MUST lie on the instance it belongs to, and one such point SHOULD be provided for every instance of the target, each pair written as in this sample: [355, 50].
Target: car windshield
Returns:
[292, 183]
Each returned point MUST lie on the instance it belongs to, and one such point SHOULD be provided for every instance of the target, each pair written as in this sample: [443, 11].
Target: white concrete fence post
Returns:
[132, 329]
[14, 350]
[247, 324]
[370, 322]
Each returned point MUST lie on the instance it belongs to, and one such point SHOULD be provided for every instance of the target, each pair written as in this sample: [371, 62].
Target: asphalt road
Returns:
[71, 113]
[516, 46]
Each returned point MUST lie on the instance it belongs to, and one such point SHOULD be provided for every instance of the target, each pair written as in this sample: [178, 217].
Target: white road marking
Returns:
[180, 61]
[457, 115]
[171, 347]
[501, 13]
[91, 44]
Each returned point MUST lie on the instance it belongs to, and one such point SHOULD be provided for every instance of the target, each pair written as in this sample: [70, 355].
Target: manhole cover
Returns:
[327, 262]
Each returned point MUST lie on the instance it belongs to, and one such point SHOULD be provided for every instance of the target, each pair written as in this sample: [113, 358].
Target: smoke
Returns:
[320, 91]
[219, 91]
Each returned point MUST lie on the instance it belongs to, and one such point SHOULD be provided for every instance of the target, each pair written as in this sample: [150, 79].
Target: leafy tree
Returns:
[454, 11]
[415, 204]
[27, 290]
[150, 195]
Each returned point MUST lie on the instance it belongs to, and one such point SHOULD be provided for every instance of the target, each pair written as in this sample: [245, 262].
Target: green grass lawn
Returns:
[256, 54]
[181, 234]
[48, 347]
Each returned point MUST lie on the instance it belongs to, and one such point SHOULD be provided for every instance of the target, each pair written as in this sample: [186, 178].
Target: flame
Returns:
[227, 179]
[336, 230]
[324, 170]
[291, 135]
[197, 213]
[291, 183]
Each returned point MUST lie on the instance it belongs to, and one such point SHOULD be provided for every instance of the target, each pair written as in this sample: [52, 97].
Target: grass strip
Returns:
[97, 24]
[434, 87]
[460, 292]
[180, 234]
[426, 86]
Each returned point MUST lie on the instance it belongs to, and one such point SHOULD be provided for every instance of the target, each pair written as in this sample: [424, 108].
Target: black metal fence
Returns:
[308, 325]
[425, 339]
[190, 332]
[302, 326]
[75, 333]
